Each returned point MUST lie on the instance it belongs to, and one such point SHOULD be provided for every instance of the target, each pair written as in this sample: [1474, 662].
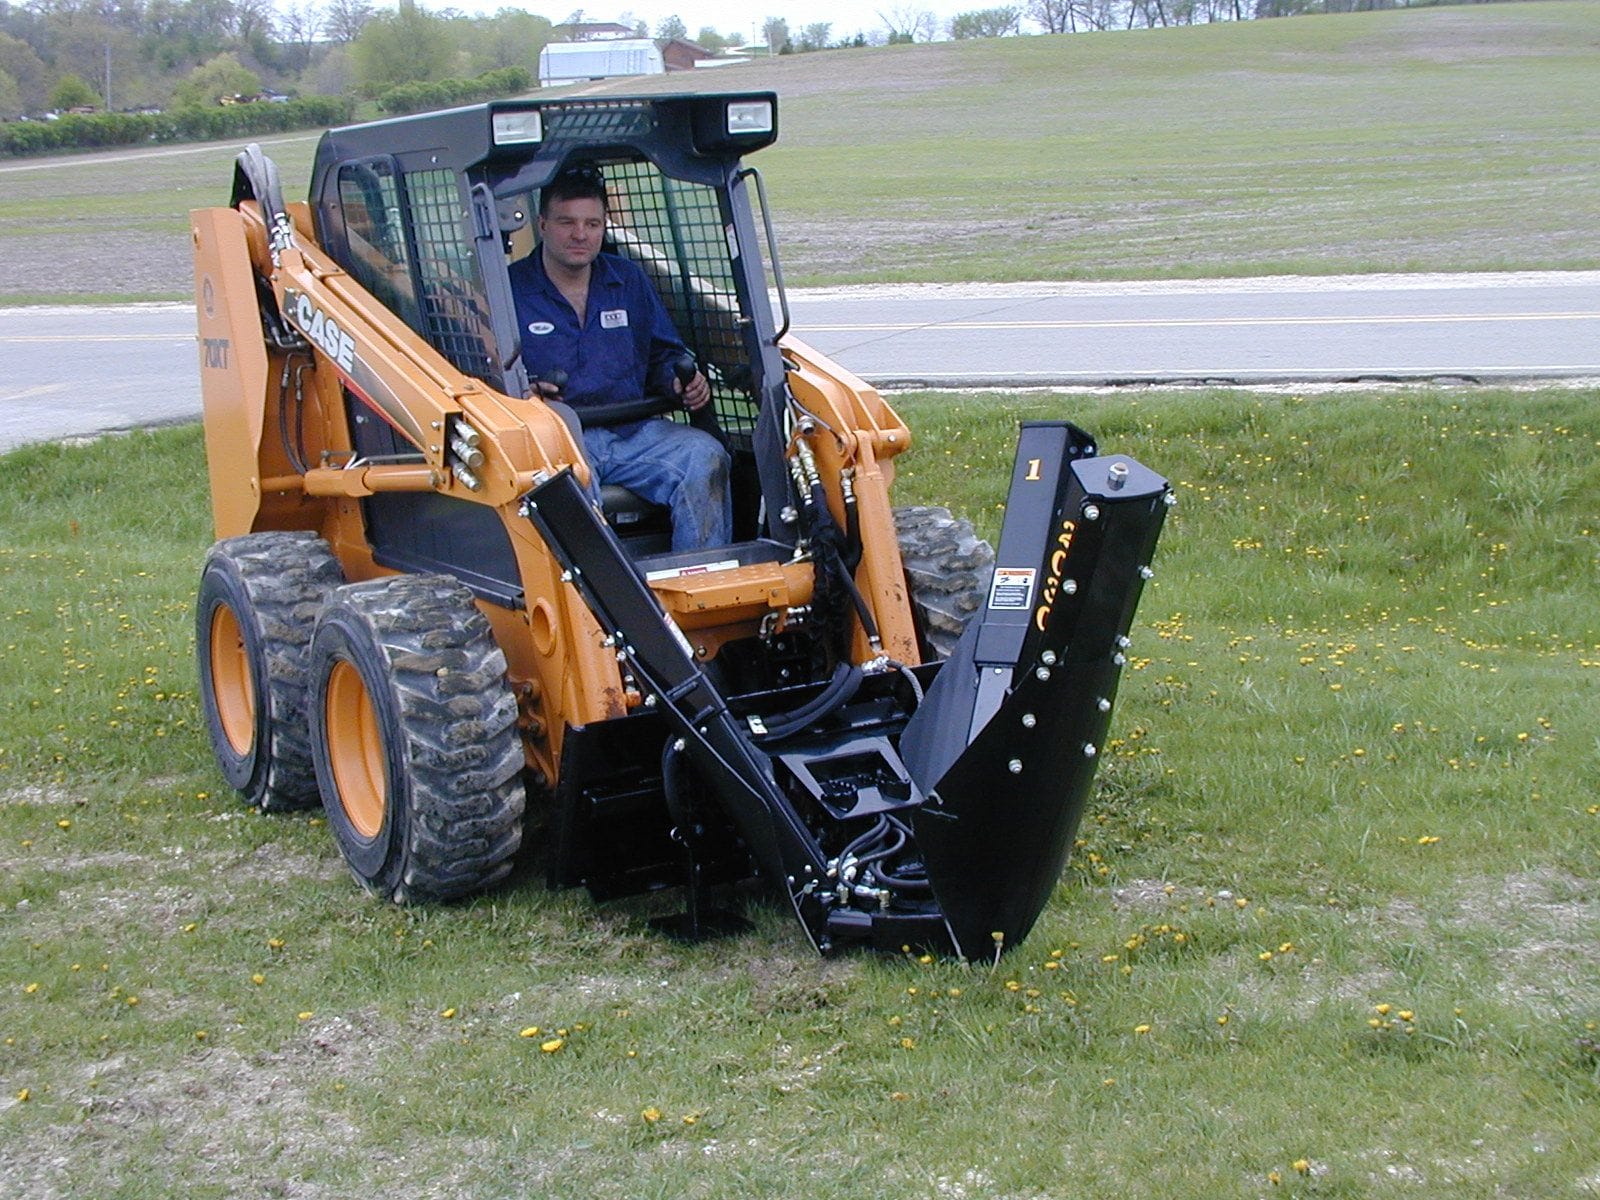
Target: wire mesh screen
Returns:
[454, 316]
[676, 232]
[369, 197]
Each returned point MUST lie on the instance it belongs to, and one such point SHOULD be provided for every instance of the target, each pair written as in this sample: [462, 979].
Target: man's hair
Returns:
[574, 183]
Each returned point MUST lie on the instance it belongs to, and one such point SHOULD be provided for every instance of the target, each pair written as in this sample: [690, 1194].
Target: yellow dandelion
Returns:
[1265, 956]
[908, 1043]
[200, 1035]
[191, 927]
[1223, 1019]
[448, 1014]
[64, 823]
[1381, 1009]
[24, 1095]
[552, 1045]
[1274, 1178]
[1286, 948]
[898, 1096]
[1404, 1014]
[303, 1016]
[274, 943]
[133, 1002]
[1240, 902]
[1374, 1023]
[651, 1115]
[31, 988]
[531, 1031]
[1141, 1029]
[258, 979]
[691, 1118]
[1303, 1166]
[925, 959]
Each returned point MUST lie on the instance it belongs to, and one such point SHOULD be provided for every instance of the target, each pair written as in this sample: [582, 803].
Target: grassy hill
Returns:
[1435, 139]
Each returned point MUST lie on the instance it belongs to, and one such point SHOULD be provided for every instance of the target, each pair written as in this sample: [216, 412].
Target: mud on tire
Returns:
[414, 734]
[259, 597]
[948, 568]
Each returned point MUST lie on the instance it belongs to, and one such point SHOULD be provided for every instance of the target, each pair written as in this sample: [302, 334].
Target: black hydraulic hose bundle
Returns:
[841, 687]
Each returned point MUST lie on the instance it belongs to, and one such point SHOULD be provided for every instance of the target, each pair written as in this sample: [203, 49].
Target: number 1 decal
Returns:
[1033, 470]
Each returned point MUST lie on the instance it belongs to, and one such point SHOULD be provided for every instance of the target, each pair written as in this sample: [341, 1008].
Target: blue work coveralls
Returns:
[621, 351]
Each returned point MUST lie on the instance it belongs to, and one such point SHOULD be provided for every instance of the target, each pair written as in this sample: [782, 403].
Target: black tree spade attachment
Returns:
[1006, 743]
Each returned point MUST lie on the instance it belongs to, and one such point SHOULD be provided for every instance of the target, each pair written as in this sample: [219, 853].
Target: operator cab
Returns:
[428, 212]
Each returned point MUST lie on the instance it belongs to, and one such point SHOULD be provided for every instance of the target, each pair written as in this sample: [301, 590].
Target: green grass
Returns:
[1375, 622]
[1453, 138]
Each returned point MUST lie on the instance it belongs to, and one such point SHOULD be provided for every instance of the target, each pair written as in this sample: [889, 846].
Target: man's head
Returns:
[572, 218]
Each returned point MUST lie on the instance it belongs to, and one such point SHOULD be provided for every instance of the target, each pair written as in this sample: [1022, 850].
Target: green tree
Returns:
[776, 31]
[344, 20]
[815, 35]
[72, 92]
[10, 97]
[27, 72]
[711, 40]
[221, 76]
[512, 37]
[985, 22]
[671, 27]
[410, 45]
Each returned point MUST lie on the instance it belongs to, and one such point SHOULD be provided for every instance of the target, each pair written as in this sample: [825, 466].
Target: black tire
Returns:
[414, 733]
[948, 567]
[259, 597]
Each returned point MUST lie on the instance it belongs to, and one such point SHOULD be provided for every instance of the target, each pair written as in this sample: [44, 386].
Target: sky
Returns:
[729, 16]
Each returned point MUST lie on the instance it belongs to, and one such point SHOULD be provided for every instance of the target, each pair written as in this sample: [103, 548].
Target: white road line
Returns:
[98, 159]
[44, 389]
[1201, 322]
[1286, 372]
[80, 338]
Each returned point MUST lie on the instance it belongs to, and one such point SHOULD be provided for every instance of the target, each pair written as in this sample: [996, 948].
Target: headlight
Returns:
[750, 116]
[511, 128]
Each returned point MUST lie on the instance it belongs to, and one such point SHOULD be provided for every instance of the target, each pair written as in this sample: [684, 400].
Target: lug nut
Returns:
[1015, 766]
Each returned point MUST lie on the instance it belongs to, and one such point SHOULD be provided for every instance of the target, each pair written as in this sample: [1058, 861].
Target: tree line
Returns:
[136, 56]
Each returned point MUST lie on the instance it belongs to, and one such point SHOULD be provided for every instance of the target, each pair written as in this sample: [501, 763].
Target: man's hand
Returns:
[544, 388]
[696, 394]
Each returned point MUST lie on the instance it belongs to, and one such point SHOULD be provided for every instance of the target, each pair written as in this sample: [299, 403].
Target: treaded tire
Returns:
[259, 597]
[948, 567]
[414, 734]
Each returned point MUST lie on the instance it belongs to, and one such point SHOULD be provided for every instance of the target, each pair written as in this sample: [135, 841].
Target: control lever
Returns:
[703, 418]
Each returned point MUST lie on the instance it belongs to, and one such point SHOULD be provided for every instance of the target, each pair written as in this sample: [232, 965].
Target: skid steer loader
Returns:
[419, 613]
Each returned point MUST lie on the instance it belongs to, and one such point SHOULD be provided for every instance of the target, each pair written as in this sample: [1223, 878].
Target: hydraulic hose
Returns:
[844, 684]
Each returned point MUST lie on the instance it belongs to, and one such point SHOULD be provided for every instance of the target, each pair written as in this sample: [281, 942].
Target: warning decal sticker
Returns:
[1012, 587]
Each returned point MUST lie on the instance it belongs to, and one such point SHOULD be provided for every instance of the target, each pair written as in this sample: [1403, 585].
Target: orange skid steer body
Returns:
[417, 613]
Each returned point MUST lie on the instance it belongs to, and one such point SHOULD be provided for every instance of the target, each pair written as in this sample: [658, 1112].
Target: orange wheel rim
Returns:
[355, 750]
[233, 691]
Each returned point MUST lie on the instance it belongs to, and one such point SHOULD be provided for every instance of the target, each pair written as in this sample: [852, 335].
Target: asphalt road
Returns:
[77, 371]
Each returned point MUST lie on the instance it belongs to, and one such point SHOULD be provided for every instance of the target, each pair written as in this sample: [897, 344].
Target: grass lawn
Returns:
[1441, 139]
[1334, 924]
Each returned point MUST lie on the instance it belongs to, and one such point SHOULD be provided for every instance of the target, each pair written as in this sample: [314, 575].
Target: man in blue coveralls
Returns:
[598, 318]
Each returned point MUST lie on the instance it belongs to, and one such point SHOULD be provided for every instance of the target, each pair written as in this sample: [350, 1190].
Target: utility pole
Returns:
[107, 93]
